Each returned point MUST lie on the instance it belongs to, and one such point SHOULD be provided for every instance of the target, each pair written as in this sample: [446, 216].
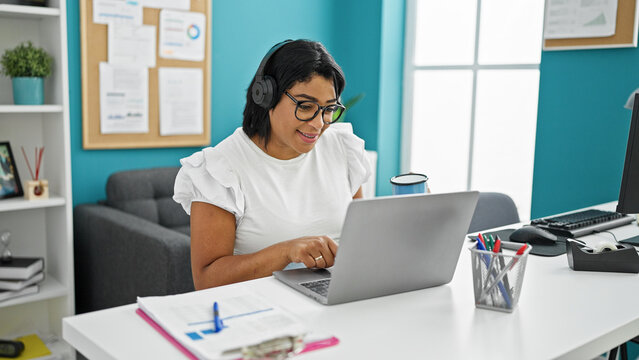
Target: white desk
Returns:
[561, 314]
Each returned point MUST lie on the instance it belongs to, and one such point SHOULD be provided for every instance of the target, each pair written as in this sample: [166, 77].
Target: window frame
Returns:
[408, 79]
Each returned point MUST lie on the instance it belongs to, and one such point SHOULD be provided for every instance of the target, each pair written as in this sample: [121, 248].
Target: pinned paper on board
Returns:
[168, 4]
[580, 19]
[124, 99]
[131, 45]
[182, 35]
[117, 11]
[181, 94]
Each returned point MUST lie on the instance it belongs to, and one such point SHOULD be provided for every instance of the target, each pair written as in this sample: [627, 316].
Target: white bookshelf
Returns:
[30, 109]
[50, 288]
[28, 12]
[15, 204]
[41, 227]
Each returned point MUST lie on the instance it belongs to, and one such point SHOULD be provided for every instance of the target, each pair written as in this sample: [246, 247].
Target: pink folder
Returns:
[311, 346]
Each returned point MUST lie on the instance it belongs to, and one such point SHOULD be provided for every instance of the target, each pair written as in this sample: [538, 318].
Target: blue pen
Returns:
[217, 322]
[500, 285]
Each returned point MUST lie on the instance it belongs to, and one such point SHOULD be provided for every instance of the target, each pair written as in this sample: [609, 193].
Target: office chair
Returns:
[493, 210]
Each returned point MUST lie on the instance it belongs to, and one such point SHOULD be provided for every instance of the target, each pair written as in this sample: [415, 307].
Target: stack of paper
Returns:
[248, 320]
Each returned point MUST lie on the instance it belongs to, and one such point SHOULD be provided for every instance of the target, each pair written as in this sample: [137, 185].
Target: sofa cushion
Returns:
[148, 194]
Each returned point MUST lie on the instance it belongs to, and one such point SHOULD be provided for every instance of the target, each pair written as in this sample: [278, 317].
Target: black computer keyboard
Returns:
[318, 286]
[583, 222]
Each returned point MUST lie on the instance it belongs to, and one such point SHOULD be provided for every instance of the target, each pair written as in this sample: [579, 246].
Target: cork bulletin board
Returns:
[95, 50]
[625, 32]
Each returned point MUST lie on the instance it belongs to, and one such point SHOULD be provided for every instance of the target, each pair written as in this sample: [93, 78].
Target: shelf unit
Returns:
[41, 227]
[28, 12]
[31, 109]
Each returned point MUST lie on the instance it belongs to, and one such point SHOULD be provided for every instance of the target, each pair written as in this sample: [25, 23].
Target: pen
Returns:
[217, 322]
[492, 241]
[502, 265]
[503, 273]
[480, 238]
[487, 243]
[519, 253]
[501, 287]
[497, 247]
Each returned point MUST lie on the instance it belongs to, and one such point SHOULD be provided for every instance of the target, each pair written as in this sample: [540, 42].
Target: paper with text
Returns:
[182, 35]
[168, 4]
[181, 101]
[124, 99]
[132, 45]
[117, 11]
[580, 19]
[248, 320]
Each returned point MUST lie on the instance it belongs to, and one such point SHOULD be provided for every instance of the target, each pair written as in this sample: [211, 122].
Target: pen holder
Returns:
[498, 277]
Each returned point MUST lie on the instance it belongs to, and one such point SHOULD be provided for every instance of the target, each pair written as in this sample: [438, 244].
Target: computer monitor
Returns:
[629, 191]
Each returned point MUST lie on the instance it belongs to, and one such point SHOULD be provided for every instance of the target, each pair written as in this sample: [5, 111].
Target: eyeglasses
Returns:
[307, 110]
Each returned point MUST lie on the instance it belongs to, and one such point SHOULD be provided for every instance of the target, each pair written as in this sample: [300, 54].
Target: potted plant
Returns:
[27, 66]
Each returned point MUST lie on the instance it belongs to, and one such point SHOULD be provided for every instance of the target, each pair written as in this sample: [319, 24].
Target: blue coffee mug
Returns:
[409, 184]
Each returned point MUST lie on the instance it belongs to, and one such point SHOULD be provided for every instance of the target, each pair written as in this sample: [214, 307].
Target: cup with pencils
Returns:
[498, 272]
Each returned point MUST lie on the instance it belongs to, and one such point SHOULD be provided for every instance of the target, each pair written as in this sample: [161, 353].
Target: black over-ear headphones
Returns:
[265, 87]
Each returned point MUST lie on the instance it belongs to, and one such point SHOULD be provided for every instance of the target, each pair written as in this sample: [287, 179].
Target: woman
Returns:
[275, 192]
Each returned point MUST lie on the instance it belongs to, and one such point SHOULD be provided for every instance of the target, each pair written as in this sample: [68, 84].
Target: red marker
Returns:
[520, 252]
[483, 242]
[497, 246]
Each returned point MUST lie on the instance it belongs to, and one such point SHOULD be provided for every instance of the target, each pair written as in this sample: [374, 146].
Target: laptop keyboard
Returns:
[318, 286]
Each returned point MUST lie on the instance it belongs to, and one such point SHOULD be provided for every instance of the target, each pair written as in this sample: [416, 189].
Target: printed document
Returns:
[124, 99]
[132, 45]
[168, 4]
[580, 18]
[248, 320]
[119, 11]
[181, 101]
[182, 35]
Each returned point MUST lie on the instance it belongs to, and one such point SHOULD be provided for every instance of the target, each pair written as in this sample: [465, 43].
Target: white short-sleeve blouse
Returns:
[275, 200]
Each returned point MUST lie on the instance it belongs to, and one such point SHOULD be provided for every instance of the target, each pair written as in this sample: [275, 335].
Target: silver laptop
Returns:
[391, 245]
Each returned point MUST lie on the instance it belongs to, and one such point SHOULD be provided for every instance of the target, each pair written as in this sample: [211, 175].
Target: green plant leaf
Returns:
[354, 100]
[26, 60]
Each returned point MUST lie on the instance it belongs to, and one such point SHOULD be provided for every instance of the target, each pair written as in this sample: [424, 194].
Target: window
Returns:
[471, 91]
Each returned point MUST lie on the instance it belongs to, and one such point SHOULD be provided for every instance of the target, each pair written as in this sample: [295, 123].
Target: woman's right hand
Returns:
[313, 251]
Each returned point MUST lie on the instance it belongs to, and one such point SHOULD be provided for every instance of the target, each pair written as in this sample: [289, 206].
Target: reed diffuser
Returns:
[35, 188]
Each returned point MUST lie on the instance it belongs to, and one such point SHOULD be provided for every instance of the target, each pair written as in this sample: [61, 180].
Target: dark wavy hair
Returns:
[296, 61]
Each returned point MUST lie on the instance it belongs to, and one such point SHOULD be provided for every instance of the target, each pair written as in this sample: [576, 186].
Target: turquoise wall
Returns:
[242, 32]
[582, 127]
[358, 52]
[390, 94]
[370, 48]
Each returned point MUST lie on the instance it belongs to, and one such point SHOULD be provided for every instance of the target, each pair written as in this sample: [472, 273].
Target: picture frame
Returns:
[10, 185]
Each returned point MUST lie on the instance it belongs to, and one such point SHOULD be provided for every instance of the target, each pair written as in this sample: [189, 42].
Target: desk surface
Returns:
[561, 314]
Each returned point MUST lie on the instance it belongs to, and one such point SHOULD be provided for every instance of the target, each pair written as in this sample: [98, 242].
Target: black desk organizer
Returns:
[624, 259]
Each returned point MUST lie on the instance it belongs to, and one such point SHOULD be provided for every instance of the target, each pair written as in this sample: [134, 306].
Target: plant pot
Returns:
[28, 90]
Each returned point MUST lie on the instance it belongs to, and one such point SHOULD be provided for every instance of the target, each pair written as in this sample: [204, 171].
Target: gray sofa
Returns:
[135, 243]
